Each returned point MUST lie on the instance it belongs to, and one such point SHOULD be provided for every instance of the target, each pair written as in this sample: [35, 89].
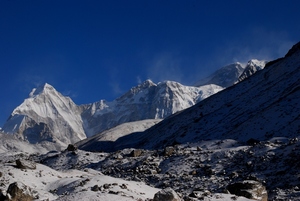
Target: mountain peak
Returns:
[259, 64]
[252, 67]
[147, 83]
[224, 77]
[44, 88]
[144, 85]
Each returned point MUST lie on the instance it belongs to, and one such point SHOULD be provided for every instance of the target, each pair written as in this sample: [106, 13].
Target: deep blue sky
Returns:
[92, 50]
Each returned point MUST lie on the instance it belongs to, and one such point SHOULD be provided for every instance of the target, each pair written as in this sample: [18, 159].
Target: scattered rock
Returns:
[200, 194]
[113, 192]
[167, 194]
[249, 189]
[95, 188]
[169, 151]
[19, 192]
[71, 147]
[25, 164]
[136, 153]
[234, 175]
[118, 156]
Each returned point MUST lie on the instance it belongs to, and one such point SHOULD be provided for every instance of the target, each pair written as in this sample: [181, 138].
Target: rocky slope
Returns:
[39, 182]
[263, 106]
[202, 170]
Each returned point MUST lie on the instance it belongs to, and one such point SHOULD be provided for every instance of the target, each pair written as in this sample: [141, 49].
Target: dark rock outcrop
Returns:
[71, 147]
[19, 192]
[249, 189]
[25, 164]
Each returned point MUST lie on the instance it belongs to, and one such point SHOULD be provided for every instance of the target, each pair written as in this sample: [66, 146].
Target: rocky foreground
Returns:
[260, 170]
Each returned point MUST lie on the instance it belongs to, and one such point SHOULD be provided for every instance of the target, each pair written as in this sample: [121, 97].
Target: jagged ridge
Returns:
[263, 106]
[47, 115]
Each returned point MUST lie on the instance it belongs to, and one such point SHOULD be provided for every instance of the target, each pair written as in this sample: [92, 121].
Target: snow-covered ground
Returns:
[203, 169]
[46, 183]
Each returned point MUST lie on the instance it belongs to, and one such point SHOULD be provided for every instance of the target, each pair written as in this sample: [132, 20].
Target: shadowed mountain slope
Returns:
[263, 106]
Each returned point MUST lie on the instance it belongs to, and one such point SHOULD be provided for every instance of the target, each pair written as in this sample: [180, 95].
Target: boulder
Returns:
[167, 194]
[19, 192]
[71, 147]
[2, 196]
[136, 153]
[250, 189]
[25, 164]
[95, 188]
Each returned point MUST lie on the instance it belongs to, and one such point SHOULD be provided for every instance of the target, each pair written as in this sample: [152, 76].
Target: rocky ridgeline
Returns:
[269, 168]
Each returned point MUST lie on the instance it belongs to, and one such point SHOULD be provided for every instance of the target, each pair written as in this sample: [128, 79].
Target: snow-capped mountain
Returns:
[240, 144]
[224, 77]
[252, 67]
[263, 106]
[145, 101]
[46, 115]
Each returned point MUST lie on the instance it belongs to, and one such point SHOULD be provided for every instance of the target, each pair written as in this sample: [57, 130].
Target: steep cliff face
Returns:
[46, 115]
[49, 116]
[145, 101]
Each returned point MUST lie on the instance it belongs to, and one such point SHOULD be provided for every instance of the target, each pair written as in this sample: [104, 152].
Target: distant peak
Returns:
[41, 89]
[168, 83]
[147, 83]
[232, 66]
[257, 63]
[253, 61]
